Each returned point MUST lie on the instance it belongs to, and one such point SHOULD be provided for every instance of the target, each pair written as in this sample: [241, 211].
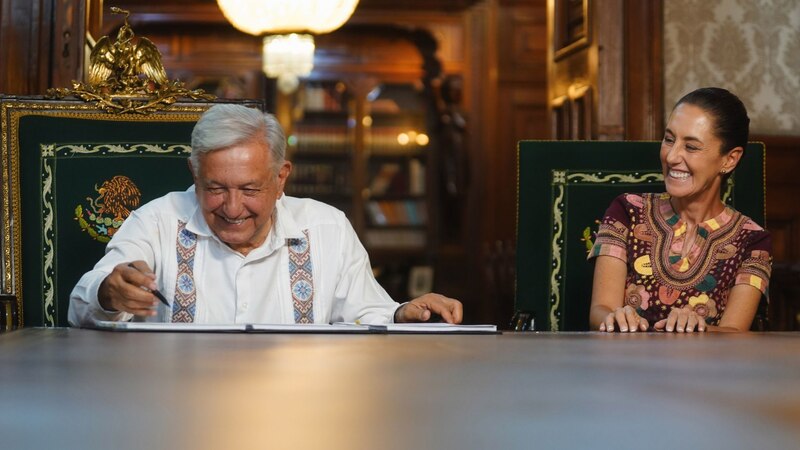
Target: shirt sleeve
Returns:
[756, 267]
[358, 295]
[612, 234]
[130, 243]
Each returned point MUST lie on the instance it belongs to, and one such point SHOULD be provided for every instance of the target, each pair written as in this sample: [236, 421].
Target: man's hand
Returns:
[681, 320]
[421, 309]
[128, 289]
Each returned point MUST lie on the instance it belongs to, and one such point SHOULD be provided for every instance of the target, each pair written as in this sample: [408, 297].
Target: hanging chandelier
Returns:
[287, 26]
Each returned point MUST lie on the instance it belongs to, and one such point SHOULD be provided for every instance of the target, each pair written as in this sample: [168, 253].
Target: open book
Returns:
[232, 328]
[339, 327]
[436, 328]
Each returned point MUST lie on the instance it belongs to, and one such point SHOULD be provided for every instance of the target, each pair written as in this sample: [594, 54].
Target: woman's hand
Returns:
[626, 318]
[683, 320]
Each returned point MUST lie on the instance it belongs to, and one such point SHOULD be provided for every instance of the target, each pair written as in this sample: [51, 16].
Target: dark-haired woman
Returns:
[683, 261]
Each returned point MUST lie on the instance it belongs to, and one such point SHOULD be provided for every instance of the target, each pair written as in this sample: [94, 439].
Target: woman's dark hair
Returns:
[731, 124]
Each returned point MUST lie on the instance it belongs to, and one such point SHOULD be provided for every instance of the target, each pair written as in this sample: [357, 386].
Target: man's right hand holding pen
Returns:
[130, 287]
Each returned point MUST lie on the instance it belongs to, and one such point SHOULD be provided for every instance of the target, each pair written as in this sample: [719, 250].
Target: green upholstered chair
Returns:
[563, 190]
[71, 173]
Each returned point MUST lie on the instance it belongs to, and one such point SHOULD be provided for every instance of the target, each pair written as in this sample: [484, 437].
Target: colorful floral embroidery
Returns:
[636, 296]
[184, 305]
[302, 279]
[646, 233]
[703, 306]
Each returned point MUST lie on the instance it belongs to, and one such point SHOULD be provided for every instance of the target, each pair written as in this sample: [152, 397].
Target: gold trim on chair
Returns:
[562, 178]
[11, 112]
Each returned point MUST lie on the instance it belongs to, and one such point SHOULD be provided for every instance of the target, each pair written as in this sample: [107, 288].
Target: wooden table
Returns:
[69, 388]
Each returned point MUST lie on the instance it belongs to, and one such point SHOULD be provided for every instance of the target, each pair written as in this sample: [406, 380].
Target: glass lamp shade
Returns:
[287, 57]
[286, 16]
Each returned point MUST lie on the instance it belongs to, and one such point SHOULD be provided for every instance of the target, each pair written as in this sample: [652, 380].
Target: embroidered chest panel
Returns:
[661, 235]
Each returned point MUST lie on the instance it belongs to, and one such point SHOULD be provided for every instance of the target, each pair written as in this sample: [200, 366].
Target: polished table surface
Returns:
[70, 388]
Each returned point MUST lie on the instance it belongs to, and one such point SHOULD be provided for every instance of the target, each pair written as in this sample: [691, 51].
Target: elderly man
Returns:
[234, 249]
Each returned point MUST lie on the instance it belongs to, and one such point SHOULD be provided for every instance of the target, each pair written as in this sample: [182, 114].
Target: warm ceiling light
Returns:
[288, 57]
[287, 16]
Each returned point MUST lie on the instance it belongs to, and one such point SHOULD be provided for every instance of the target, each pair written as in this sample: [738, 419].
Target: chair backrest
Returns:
[71, 175]
[563, 190]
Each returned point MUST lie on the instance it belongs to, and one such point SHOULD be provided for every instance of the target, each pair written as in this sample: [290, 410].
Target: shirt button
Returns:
[244, 305]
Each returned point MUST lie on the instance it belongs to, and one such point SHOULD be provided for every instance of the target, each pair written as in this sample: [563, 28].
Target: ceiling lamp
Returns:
[287, 26]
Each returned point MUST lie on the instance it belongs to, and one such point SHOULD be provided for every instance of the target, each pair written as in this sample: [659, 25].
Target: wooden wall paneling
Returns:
[610, 107]
[783, 190]
[581, 112]
[25, 45]
[783, 223]
[480, 92]
[621, 60]
[458, 260]
[571, 65]
[94, 18]
[560, 118]
[644, 71]
[520, 109]
[69, 38]
[214, 57]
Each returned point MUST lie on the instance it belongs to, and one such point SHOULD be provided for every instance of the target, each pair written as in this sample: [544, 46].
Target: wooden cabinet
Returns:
[365, 147]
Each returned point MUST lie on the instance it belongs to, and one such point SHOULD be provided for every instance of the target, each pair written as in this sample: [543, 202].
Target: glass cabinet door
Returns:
[396, 146]
[321, 144]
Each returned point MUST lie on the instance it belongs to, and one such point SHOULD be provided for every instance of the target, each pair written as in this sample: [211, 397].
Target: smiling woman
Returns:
[684, 261]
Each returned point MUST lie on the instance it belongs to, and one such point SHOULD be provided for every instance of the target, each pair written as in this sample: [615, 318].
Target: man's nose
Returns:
[233, 203]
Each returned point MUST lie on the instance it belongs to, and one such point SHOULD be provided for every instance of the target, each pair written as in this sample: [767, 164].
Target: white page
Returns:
[339, 327]
[434, 328]
[163, 326]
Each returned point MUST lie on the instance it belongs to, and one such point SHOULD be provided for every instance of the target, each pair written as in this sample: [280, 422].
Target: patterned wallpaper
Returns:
[750, 47]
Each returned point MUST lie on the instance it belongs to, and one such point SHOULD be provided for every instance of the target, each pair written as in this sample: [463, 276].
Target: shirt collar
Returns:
[197, 223]
[672, 217]
[284, 224]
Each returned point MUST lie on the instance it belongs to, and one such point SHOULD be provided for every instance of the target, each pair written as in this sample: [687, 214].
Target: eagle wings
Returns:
[123, 61]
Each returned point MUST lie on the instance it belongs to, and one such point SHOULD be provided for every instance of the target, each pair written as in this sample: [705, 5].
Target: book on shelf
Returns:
[321, 98]
[376, 215]
[395, 238]
[416, 177]
[384, 178]
[397, 212]
[394, 178]
[319, 178]
[331, 139]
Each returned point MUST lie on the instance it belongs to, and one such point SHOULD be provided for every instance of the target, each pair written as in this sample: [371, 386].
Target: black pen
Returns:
[154, 291]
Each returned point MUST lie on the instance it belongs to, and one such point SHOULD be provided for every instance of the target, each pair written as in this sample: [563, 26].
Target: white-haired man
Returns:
[234, 249]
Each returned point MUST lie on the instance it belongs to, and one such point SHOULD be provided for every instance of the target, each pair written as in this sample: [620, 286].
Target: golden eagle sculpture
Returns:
[122, 61]
[127, 75]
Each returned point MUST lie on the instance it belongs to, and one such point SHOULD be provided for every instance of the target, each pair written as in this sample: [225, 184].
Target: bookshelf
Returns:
[365, 148]
[321, 144]
[396, 145]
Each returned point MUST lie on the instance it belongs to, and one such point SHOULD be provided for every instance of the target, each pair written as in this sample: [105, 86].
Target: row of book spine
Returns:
[395, 178]
[320, 178]
[395, 238]
[397, 212]
[322, 139]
